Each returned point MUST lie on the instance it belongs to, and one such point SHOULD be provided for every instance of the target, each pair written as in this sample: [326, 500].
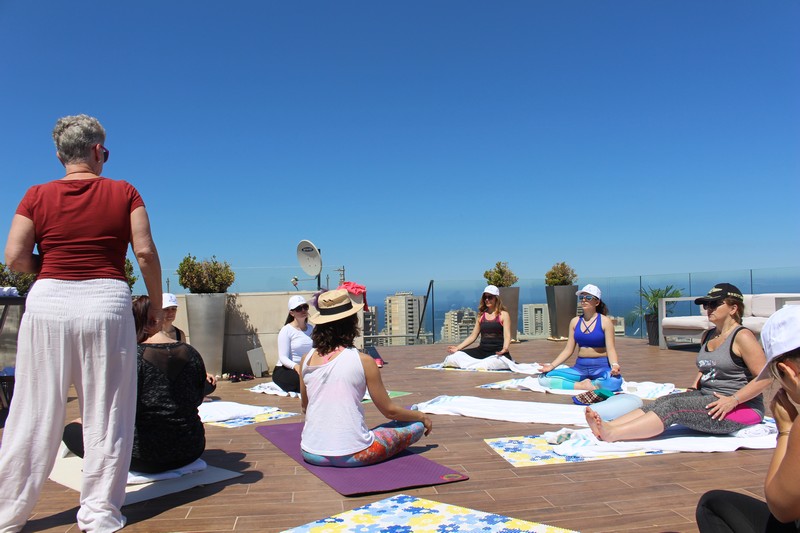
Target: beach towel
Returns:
[647, 390]
[409, 514]
[493, 362]
[220, 411]
[509, 410]
[257, 419]
[271, 388]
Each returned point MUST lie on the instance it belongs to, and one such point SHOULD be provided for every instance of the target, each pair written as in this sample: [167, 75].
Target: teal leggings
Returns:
[390, 439]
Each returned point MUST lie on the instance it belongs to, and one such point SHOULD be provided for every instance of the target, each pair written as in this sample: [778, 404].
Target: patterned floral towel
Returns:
[247, 420]
[408, 514]
[534, 450]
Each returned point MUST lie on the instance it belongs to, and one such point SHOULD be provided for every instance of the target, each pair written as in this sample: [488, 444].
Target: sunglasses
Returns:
[585, 298]
[489, 296]
[105, 153]
[299, 308]
[710, 306]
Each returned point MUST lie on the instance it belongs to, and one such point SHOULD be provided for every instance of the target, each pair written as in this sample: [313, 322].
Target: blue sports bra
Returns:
[595, 338]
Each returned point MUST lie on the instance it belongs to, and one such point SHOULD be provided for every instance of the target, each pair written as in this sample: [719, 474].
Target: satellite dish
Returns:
[309, 258]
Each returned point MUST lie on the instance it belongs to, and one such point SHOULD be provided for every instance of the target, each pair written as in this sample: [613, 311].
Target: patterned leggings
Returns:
[689, 409]
[390, 439]
[596, 369]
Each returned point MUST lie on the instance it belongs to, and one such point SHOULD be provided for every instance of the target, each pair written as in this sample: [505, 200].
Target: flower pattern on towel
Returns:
[408, 514]
[534, 450]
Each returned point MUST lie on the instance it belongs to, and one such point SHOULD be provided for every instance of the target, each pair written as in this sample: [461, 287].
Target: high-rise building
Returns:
[458, 324]
[371, 327]
[403, 311]
[536, 321]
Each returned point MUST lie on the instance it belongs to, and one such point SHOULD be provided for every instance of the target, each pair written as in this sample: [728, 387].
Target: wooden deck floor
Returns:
[647, 494]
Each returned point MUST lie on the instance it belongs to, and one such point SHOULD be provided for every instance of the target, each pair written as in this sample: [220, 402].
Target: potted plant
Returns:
[207, 282]
[562, 302]
[648, 308]
[503, 278]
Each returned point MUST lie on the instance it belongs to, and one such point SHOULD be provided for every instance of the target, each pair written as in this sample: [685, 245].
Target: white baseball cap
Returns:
[593, 290]
[168, 300]
[491, 289]
[780, 334]
[296, 301]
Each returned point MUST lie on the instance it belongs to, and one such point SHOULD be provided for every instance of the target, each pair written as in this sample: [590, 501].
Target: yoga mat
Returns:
[409, 514]
[67, 471]
[402, 471]
[392, 394]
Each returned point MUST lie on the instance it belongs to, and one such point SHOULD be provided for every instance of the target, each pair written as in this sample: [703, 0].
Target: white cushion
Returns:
[686, 322]
[754, 323]
[748, 305]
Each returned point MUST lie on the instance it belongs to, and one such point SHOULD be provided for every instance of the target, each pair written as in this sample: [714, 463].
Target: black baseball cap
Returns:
[720, 291]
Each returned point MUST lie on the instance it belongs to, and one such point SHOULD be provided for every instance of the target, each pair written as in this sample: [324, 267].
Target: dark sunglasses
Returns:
[105, 153]
[299, 308]
[489, 296]
[710, 306]
[586, 297]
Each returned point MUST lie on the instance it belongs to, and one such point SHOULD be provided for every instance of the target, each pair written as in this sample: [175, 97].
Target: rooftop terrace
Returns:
[644, 494]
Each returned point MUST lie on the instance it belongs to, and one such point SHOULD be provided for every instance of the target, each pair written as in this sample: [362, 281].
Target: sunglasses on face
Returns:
[299, 308]
[710, 306]
[585, 298]
[488, 296]
[105, 153]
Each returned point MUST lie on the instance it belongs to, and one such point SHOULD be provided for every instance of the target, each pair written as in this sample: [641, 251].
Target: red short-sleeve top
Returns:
[83, 227]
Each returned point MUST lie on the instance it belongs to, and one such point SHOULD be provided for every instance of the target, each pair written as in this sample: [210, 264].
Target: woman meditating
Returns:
[294, 341]
[597, 365]
[171, 379]
[725, 511]
[494, 328]
[724, 397]
[335, 377]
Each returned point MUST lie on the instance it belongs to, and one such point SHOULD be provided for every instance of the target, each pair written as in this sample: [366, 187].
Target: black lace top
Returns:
[169, 433]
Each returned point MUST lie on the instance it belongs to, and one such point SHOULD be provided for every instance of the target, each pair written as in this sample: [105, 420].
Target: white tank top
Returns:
[335, 422]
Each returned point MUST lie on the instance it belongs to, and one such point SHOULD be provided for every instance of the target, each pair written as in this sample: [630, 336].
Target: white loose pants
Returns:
[72, 333]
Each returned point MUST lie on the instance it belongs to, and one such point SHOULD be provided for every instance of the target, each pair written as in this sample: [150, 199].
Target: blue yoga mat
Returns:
[404, 470]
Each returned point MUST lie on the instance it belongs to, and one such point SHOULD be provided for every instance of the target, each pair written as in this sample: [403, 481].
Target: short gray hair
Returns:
[75, 136]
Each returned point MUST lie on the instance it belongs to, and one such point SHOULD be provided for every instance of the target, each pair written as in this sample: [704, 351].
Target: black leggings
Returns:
[725, 511]
[286, 378]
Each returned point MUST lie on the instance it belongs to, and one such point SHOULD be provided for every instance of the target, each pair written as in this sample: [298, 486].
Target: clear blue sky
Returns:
[427, 140]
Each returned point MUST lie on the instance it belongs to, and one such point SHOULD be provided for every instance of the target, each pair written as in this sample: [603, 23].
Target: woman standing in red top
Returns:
[77, 328]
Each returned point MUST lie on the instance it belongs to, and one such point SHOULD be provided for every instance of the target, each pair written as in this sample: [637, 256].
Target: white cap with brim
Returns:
[296, 301]
[169, 300]
[491, 289]
[780, 334]
[592, 290]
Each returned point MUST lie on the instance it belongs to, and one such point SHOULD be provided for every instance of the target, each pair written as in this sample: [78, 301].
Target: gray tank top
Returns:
[723, 371]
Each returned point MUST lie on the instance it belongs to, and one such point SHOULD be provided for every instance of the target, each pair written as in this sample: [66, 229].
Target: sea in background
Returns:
[621, 294]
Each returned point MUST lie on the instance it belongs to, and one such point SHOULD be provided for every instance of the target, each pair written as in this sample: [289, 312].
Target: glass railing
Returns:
[621, 294]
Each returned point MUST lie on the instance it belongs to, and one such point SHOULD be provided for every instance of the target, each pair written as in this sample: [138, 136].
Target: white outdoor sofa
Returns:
[757, 309]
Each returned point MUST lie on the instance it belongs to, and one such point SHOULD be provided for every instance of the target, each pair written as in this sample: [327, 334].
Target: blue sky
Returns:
[427, 140]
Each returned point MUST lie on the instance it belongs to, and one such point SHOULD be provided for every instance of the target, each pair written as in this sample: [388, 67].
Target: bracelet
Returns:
[614, 364]
[781, 433]
[735, 398]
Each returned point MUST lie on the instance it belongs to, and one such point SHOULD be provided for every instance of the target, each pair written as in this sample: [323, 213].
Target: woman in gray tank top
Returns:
[723, 398]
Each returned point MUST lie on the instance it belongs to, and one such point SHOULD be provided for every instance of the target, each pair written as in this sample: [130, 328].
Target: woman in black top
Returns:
[171, 379]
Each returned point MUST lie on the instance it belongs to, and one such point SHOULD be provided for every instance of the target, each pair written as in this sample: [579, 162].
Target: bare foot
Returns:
[595, 422]
[586, 384]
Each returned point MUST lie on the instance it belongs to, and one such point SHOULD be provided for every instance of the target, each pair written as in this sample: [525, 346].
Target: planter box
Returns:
[510, 297]
[206, 317]
[562, 304]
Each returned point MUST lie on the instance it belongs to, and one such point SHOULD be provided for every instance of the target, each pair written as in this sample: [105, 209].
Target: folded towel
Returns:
[220, 411]
[9, 291]
[138, 478]
[493, 362]
[271, 388]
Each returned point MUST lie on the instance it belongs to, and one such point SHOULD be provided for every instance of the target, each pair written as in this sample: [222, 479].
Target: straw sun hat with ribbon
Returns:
[335, 305]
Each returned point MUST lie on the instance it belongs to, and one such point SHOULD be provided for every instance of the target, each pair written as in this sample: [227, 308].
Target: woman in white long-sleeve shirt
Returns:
[294, 341]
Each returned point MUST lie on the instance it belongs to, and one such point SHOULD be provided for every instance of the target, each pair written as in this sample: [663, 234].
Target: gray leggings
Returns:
[689, 409]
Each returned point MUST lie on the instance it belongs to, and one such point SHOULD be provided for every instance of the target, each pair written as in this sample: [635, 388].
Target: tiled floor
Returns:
[644, 494]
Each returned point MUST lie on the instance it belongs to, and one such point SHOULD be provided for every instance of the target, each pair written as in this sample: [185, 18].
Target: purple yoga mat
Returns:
[402, 471]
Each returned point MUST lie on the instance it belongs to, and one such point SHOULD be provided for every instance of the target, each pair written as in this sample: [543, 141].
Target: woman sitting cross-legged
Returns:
[726, 511]
[168, 433]
[725, 397]
[335, 377]
[493, 327]
[597, 366]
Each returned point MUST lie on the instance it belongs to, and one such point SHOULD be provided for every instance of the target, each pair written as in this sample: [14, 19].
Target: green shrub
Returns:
[500, 275]
[20, 280]
[560, 274]
[206, 276]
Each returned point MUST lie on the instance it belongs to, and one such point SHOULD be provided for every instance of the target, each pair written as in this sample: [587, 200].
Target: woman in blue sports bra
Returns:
[597, 366]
